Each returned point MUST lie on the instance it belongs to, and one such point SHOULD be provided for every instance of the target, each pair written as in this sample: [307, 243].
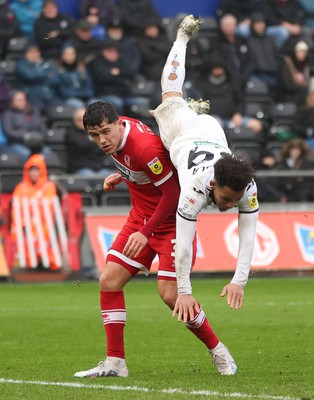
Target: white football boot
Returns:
[199, 106]
[111, 367]
[223, 360]
[188, 26]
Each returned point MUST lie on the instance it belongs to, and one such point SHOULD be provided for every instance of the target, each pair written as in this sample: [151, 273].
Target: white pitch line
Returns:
[208, 393]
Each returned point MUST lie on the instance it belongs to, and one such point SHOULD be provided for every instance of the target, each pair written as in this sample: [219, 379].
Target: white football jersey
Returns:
[195, 143]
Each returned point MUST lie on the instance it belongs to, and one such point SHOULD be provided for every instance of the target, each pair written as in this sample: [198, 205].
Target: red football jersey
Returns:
[144, 164]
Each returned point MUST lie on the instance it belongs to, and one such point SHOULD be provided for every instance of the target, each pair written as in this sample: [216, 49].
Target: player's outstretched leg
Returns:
[223, 360]
[111, 367]
[174, 70]
[187, 27]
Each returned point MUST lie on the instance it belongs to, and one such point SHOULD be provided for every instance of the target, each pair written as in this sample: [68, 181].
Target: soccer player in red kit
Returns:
[143, 163]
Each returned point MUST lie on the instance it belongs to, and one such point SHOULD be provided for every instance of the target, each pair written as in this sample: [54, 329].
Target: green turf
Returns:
[50, 331]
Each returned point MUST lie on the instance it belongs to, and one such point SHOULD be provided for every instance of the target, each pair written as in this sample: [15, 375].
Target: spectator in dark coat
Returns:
[232, 49]
[127, 44]
[38, 78]
[83, 157]
[135, 13]
[287, 15]
[106, 9]
[86, 45]
[265, 52]
[9, 27]
[75, 83]
[154, 47]
[226, 100]
[242, 10]
[20, 120]
[268, 187]
[52, 29]
[112, 79]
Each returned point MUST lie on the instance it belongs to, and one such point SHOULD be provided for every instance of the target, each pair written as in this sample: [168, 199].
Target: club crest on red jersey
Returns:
[156, 166]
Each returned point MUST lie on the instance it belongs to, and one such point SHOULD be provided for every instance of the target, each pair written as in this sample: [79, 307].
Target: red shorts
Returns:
[161, 244]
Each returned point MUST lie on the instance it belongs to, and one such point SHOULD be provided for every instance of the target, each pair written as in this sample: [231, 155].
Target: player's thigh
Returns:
[133, 265]
[114, 277]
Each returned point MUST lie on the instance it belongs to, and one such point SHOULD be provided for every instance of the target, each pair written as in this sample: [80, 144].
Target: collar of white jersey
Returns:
[127, 128]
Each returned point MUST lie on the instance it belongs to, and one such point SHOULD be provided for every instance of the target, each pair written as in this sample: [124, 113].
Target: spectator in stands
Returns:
[127, 44]
[38, 78]
[98, 29]
[52, 28]
[9, 27]
[265, 52]
[232, 49]
[285, 14]
[26, 12]
[75, 82]
[297, 155]
[35, 186]
[154, 47]
[23, 124]
[5, 90]
[135, 13]
[268, 187]
[83, 157]
[86, 45]
[303, 125]
[226, 99]
[242, 10]
[295, 73]
[112, 78]
[105, 9]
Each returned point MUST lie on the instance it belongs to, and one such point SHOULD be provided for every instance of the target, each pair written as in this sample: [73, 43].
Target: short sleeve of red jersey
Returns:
[155, 161]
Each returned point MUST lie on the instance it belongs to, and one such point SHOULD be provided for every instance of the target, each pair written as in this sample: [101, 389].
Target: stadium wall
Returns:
[284, 240]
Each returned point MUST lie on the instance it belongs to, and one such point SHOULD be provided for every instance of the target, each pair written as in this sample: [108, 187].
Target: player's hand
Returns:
[135, 244]
[185, 307]
[111, 182]
[235, 295]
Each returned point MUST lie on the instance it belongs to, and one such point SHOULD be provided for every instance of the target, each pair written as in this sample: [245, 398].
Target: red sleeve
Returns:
[168, 202]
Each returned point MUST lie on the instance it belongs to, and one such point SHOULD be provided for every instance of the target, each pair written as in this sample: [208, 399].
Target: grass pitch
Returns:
[50, 331]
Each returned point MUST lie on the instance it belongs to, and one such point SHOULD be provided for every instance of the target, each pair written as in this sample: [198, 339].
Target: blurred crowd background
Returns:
[253, 60]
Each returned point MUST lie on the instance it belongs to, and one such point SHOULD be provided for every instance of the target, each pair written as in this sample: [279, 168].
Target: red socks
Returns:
[113, 315]
[201, 328]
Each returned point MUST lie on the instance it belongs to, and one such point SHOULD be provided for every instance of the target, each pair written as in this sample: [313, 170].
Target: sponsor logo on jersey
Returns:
[253, 203]
[155, 166]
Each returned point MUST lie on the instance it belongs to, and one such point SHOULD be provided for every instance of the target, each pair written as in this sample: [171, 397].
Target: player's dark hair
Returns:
[233, 172]
[98, 112]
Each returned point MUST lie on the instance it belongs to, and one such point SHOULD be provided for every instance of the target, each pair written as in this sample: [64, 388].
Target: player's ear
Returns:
[212, 184]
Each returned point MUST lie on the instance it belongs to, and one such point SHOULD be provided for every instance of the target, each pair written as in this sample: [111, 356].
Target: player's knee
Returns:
[168, 293]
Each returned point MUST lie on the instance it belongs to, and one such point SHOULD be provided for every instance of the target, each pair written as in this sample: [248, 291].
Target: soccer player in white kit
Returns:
[208, 173]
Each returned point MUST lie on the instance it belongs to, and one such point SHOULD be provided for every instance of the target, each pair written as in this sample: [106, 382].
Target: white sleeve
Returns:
[186, 230]
[246, 228]
[247, 220]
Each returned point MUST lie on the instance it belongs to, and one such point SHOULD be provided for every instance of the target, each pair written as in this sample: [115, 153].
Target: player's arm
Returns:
[186, 306]
[169, 198]
[248, 216]
[190, 204]
[166, 182]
